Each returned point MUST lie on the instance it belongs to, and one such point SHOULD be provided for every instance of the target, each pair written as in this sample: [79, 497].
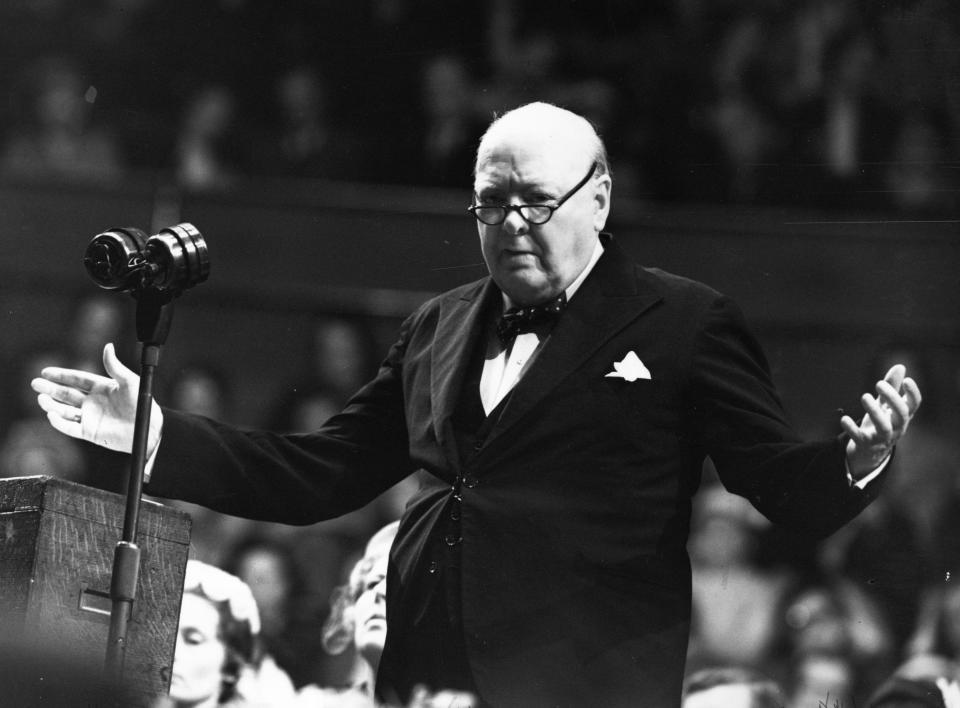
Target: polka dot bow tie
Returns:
[518, 320]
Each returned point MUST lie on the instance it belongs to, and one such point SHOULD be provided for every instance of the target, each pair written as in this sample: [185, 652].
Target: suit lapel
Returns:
[459, 332]
[610, 298]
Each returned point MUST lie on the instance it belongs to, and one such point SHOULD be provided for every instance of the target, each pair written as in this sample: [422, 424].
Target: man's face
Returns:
[533, 263]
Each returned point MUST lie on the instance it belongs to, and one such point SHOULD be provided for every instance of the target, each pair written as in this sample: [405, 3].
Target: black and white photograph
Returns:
[496, 354]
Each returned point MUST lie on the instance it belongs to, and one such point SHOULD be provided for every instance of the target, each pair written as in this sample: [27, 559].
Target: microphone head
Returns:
[169, 262]
[181, 256]
[114, 258]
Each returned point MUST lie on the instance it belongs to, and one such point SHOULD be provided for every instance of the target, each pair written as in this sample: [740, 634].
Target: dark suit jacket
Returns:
[575, 511]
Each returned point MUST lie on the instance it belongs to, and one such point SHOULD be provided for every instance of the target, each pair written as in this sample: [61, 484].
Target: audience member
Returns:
[301, 140]
[341, 355]
[58, 137]
[733, 595]
[937, 631]
[921, 682]
[449, 124]
[97, 319]
[731, 687]
[207, 153]
[217, 661]
[290, 614]
[822, 681]
[837, 644]
[25, 447]
[909, 693]
[201, 388]
[358, 625]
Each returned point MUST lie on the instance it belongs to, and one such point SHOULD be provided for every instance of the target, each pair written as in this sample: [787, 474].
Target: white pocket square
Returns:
[630, 369]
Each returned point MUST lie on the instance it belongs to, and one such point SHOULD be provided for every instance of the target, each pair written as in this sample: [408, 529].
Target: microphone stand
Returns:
[154, 314]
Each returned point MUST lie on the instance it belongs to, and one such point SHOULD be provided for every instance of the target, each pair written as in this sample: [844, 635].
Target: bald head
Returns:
[542, 156]
[545, 127]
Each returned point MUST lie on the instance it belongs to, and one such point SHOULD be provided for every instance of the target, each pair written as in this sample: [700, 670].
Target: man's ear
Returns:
[601, 200]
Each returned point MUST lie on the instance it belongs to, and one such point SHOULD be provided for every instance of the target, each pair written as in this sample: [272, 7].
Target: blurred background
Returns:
[803, 157]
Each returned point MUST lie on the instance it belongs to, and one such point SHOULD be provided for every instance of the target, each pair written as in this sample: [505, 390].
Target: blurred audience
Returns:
[208, 150]
[919, 683]
[451, 122]
[820, 102]
[731, 687]
[25, 447]
[201, 388]
[936, 634]
[290, 612]
[341, 356]
[58, 136]
[733, 595]
[837, 644]
[301, 140]
[96, 320]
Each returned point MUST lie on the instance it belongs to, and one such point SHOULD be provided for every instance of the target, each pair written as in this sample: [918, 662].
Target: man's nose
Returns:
[381, 590]
[515, 224]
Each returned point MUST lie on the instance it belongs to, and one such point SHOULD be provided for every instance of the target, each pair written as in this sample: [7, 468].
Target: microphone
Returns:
[126, 259]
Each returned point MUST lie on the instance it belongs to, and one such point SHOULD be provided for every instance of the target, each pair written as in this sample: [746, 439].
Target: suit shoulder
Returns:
[680, 288]
[431, 307]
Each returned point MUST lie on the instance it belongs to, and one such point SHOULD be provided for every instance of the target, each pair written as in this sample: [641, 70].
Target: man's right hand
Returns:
[96, 408]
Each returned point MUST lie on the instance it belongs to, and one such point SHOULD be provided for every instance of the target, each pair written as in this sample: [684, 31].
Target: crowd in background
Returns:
[848, 103]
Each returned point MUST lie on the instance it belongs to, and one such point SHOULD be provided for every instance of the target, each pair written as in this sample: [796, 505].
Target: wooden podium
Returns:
[57, 540]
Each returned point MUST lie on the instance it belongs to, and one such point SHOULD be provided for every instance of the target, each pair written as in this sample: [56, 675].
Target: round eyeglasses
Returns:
[535, 214]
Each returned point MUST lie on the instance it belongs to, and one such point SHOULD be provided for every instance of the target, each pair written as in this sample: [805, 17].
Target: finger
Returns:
[115, 368]
[52, 406]
[879, 416]
[912, 393]
[895, 375]
[851, 428]
[68, 427]
[64, 394]
[892, 398]
[83, 380]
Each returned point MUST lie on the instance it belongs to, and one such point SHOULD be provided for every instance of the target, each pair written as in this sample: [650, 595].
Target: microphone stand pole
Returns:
[154, 314]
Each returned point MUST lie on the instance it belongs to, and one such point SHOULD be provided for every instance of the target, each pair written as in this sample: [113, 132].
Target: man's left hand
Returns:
[887, 417]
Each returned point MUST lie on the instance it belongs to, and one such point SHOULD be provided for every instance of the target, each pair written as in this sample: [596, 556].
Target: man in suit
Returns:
[543, 559]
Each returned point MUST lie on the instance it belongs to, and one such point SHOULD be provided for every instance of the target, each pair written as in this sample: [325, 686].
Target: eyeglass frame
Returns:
[507, 208]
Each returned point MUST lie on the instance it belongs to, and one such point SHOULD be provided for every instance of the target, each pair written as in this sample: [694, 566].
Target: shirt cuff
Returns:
[148, 465]
[867, 478]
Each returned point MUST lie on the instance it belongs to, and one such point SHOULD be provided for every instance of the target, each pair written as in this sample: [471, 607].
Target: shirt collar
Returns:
[575, 285]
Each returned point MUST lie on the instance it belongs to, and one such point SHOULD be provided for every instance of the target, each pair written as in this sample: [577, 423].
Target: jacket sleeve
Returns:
[293, 478]
[743, 427]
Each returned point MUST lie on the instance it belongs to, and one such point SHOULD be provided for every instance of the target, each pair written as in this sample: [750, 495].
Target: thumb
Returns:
[115, 368]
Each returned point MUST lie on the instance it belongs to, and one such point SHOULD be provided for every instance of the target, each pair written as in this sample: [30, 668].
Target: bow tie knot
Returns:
[518, 320]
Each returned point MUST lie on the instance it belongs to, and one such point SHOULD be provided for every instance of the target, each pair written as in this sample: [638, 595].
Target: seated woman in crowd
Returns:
[217, 660]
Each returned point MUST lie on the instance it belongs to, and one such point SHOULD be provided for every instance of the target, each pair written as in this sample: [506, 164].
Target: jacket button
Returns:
[433, 567]
[469, 481]
[477, 445]
[455, 513]
[451, 540]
